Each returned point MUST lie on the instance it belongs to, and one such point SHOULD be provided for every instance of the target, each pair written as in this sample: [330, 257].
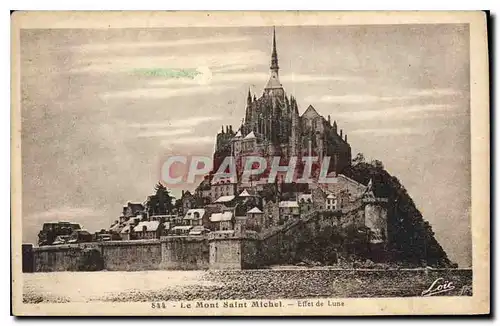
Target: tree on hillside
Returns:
[411, 239]
[178, 205]
[360, 158]
[161, 203]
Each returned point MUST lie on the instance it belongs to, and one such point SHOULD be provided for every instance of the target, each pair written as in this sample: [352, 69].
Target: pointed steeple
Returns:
[335, 126]
[274, 55]
[249, 98]
[274, 81]
[293, 103]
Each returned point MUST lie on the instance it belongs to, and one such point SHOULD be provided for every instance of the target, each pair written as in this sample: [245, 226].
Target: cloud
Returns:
[389, 131]
[434, 92]
[121, 63]
[149, 93]
[208, 82]
[170, 128]
[304, 78]
[97, 47]
[229, 68]
[188, 140]
[164, 133]
[207, 76]
[67, 214]
[179, 123]
[353, 99]
[402, 95]
[401, 112]
[63, 213]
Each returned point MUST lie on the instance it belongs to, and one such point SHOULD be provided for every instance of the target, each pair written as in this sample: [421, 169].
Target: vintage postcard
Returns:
[250, 163]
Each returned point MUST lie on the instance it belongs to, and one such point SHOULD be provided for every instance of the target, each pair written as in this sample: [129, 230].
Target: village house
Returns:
[222, 187]
[195, 217]
[250, 198]
[180, 230]
[222, 221]
[169, 221]
[132, 209]
[199, 230]
[331, 202]
[305, 203]
[146, 230]
[126, 232]
[255, 220]
[352, 188]
[226, 200]
[188, 201]
[288, 210]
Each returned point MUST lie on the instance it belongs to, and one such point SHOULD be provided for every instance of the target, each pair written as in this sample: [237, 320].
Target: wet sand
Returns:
[280, 283]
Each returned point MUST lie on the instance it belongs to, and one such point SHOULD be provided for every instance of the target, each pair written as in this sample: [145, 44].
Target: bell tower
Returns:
[274, 87]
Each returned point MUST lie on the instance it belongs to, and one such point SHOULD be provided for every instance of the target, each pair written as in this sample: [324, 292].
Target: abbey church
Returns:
[272, 126]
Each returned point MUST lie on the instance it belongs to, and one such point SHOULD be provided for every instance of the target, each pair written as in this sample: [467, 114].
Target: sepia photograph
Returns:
[250, 164]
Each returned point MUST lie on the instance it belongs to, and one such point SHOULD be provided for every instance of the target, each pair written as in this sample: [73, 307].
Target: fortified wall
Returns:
[236, 249]
[219, 251]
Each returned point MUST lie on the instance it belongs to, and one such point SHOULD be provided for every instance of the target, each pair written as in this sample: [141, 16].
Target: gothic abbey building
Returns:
[273, 127]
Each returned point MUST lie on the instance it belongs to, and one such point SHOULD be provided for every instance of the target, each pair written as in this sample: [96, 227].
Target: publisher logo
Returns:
[440, 285]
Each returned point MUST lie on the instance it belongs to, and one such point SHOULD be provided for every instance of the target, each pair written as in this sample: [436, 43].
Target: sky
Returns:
[95, 127]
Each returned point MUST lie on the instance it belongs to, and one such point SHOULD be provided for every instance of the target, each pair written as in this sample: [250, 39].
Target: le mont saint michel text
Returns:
[251, 304]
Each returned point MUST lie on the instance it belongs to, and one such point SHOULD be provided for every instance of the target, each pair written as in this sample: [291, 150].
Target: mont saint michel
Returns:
[242, 163]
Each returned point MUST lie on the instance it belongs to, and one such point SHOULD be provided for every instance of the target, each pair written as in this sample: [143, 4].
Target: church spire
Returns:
[274, 86]
[274, 55]
[249, 98]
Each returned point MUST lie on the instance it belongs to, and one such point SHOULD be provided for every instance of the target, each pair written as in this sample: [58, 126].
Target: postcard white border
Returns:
[479, 303]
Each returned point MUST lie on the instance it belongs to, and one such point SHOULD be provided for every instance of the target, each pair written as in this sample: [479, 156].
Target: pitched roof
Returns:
[190, 214]
[305, 197]
[182, 227]
[126, 229]
[132, 220]
[116, 227]
[135, 206]
[219, 217]
[224, 199]
[150, 226]
[251, 135]
[238, 134]
[288, 204]
[274, 82]
[255, 210]
[245, 193]
[311, 112]
[217, 180]
[341, 176]
[199, 228]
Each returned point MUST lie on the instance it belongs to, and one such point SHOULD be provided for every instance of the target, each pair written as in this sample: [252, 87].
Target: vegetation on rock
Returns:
[411, 239]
